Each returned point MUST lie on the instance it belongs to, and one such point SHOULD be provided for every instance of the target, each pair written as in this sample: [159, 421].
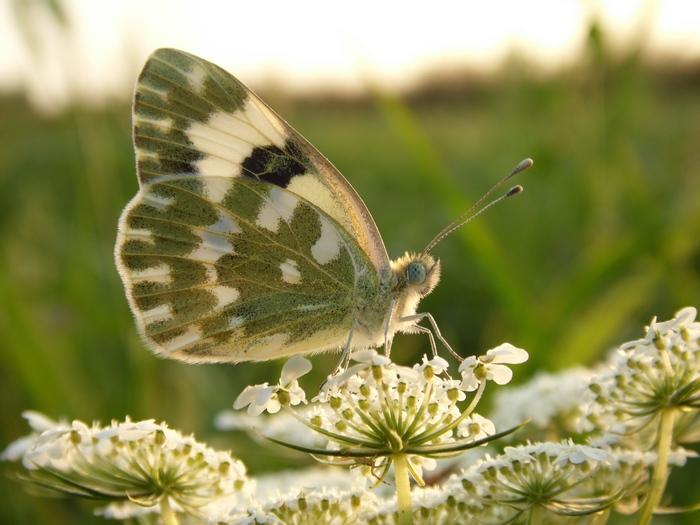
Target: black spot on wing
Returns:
[273, 165]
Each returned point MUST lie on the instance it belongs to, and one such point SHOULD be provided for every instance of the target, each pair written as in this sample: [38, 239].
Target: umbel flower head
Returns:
[141, 462]
[376, 413]
[549, 482]
[647, 378]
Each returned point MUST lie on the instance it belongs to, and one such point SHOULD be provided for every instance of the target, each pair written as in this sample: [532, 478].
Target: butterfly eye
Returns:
[415, 273]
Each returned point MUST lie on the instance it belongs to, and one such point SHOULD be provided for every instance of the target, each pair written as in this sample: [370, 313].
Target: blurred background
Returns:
[423, 109]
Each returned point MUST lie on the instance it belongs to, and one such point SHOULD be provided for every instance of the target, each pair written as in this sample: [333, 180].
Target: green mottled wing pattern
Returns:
[243, 242]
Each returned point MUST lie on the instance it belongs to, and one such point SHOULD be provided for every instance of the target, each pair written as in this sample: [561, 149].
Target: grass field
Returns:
[604, 237]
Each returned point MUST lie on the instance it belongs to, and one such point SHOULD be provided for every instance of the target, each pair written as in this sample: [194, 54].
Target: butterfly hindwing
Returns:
[244, 242]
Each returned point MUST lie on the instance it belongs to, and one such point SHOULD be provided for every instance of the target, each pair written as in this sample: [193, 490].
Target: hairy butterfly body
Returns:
[243, 242]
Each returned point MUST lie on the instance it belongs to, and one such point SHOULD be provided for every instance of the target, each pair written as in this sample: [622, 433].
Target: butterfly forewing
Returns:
[191, 116]
[243, 243]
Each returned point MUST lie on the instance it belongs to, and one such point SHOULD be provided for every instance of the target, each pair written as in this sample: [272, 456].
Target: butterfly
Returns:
[244, 243]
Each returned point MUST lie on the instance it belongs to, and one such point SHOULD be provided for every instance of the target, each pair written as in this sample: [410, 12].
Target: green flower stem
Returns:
[536, 515]
[169, 517]
[403, 488]
[658, 481]
[475, 401]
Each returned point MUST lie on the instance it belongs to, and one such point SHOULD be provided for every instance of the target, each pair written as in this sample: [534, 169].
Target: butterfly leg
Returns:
[419, 317]
[387, 341]
[423, 330]
[345, 358]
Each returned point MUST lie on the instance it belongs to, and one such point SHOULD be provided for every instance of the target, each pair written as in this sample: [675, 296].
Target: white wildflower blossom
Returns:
[476, 427]
[39, 423]
[476, 370]
[578, 454]
[261, 398]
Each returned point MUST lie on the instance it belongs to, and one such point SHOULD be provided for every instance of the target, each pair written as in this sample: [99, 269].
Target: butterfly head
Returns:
[417, 273]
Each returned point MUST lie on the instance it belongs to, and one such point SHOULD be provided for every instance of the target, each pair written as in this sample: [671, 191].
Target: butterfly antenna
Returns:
[477, 209]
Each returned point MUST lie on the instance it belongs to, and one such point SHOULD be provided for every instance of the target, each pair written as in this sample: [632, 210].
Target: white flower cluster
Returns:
[543, 482]
[382, 417]
[376, 409]
[139, 462]
[646, 377]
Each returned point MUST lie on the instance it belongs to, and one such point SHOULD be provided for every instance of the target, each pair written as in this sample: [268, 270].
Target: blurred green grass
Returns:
[604, 237]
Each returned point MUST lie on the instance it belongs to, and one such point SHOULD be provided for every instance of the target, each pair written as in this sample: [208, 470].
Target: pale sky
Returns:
[308, 44]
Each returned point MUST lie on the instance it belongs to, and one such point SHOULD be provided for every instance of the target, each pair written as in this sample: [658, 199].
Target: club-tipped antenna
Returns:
[477, 210]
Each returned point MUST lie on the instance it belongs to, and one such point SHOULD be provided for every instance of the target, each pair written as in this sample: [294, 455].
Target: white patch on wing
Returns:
[313, 190]
[311, 307]
[156, 274]
[268, 347]
[159, 313]
[225, 295]
[215, 188]
[227, 139]
[290, 273]
[225, 225]
[280, 206]
[195, 77]
[164, 123]
[262, 119]
[190, 337]
[327, 247]
[142, 235]
[213, 246]
[157, 201]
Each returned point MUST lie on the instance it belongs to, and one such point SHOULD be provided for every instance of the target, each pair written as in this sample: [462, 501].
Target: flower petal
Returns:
[293, 369]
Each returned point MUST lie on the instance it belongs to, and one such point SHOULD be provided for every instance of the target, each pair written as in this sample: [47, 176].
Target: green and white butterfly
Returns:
[244, 243]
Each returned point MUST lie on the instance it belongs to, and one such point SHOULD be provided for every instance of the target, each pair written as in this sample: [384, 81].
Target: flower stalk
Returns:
[166, 511]
[660, 476]
[403, 488]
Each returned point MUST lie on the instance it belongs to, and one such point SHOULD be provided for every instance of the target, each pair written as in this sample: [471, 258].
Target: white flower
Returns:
[370, 357]
[39, 423]
[521, 454]
[257, 398]
[491, 366]
[293, 369]
[476, 427]
[577, 454]
[130, 431]
[260, 398]
[684, 318]
[366, 358]
[437, 363]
